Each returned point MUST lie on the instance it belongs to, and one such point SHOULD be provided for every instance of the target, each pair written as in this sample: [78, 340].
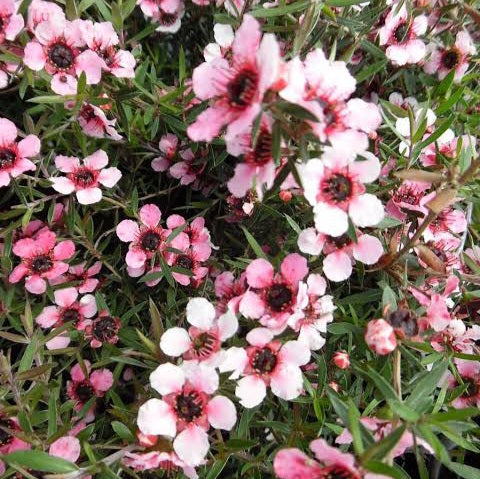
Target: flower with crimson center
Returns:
[187, 409]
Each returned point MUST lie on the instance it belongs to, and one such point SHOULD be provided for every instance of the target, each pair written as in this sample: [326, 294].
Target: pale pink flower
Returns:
[443, 60]
[66, 447]
[229, 291]
[380, 337]
[11, 443]
[323, 87]
[224, 37]
[102, 39]
[189, 260]
[470, 374]
[334, 186]
[188, 169]
[84, 178]
[202, 341]
[151, 8]
[400, 33]
[271, 297]
[78, 273]
[42, 260]
[169, 22]
[56, 48]
[258, 167]
[409, 196]
[187, 409]
[446, 145]
[94, 123]
[313, 311]
[84, 387]
[266, 362]
[168, 146]
[14, 156]
[168, 462]
[449, 221]
[11, 22]
[236, 88]
[40, 11]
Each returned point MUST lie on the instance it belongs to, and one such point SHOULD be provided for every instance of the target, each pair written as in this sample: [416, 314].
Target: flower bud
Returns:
[341, 359]
[380, 337]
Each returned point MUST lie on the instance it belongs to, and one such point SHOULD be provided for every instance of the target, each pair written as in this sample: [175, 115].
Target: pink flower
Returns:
[197, 233]
[102, 329]
[164, 461]
[66, 447]
[102, 39]
[191, 261]
[380, 337]
[456, 57]
[85, 178]
[187, 409]
[236, 88]
[470, 374]
[203, 340]
[42, 259]
[170, 22]
[14, 156]
[257, 167]
[84, 276]
[11, 443]
[151, 7]
[407, 197]
[168, 147]
[40, 11]
[188, 168]
[94, 123]
[266, 362]
[85, 386]
[11, 22]
[224, 37]
[334, 186]
[341, 251]
[229, 291]
[293, 464]
[271, 297]
[400, 34]
[313, 312]
[56, 48]
[323, 88]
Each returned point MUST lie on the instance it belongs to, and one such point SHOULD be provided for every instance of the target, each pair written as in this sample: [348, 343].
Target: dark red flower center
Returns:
[84, 177]
[473, 388]
[108, 55]
[279, 296]
[150, 241]
[337, 187]
[404, 320]
[205, 344]
[2, 24]
[406, 196]
[184, 261]
[262, 153]
[7, 158]
[6, 437]
[341, 241]
[401, 33]
[241, 90]
[41, 264]
[84, 391]
[450, 58]
[189, 406]
[71, 315]
[168, 18]
[338, 472]
[104, 329]
[264, 361]
[61, 55]
[88, 113]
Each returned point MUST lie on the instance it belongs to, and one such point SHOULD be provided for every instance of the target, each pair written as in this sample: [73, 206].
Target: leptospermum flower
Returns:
[314, 310]
[224, 37]
[192, 261]
[187, 409]
[42, 260]
[40, 11]
[56, 48]
[229, 291]
[271, 297]
[236, 88]
[293, 463]
[168, 462]
[11, 22]
[258, 166]
[266, 362]
[202, 341]
[168, 146]
[66, 447]
[340, 252]
[102, 329]
[380, 337]
[400, 32]
[94, 123]
[334, 186]
[102, 39]
[14, 156]
[8, 441]
[85, 179]
[68, 309]
[84, 276]
[443, 60]
[324, 87]
[84, 387]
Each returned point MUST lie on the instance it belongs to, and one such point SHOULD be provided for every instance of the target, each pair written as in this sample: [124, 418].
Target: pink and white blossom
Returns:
[94, 123]
[380, 337]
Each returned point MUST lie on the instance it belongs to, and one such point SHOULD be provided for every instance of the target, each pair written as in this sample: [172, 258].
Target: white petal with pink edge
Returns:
[192, 445]
[337, 266]
[368, 249]
[287, 382]
[366, 210]
[156, 417]
[221, 413]
[251, 391]
[175, 342]
[167, 378]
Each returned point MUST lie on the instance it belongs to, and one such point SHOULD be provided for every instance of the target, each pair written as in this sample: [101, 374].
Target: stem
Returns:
[397, 372]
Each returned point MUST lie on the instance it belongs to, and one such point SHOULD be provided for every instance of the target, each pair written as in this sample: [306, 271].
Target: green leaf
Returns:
[122, 431]
[296, 111]
[280, 11]
[240, 444]
[381, 468]
[380, 449]
[468, 472]
[216, 468]
[40, 461]
[253, 243]
[370, 71]
[426, 384]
